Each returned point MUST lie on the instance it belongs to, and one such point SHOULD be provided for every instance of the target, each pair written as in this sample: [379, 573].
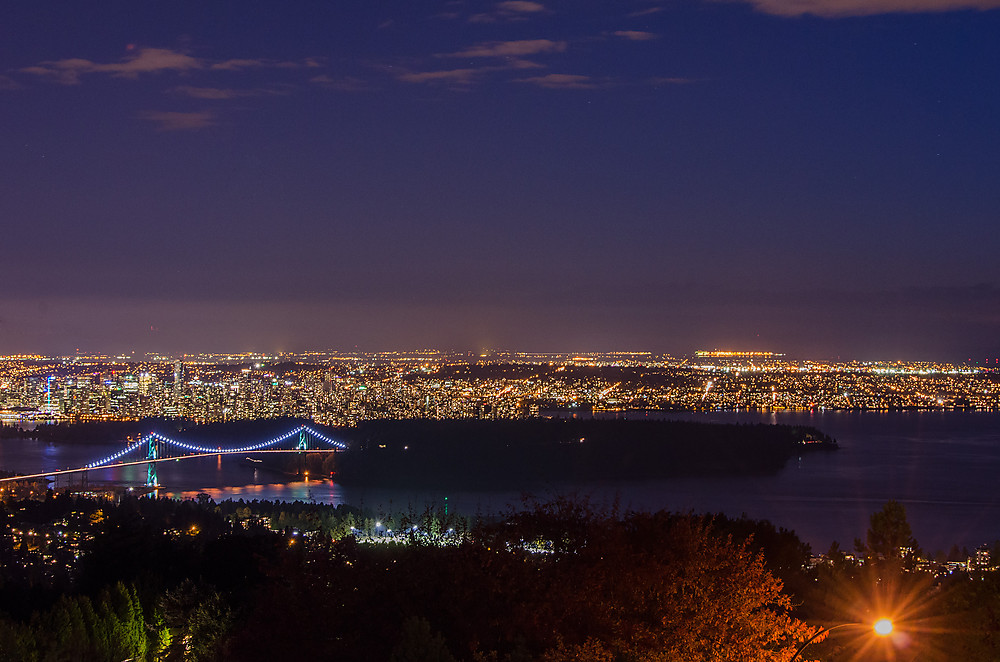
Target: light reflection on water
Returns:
[941, 465]
[311, 491]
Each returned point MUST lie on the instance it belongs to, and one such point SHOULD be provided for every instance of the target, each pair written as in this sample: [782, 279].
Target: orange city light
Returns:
[883, 627]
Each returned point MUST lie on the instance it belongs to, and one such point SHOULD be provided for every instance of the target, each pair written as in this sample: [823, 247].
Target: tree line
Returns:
[551, 581]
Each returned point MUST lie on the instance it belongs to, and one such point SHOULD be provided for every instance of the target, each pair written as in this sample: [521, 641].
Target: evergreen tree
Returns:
[889, 539]
[420, 644]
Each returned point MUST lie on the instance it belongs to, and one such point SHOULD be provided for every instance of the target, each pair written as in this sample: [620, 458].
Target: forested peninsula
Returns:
[421, 452]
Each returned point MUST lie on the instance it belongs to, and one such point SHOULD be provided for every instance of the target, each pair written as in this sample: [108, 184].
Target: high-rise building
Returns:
[178, 386]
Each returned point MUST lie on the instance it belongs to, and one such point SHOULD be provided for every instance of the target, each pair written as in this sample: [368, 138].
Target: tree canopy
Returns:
[889, 537]
[557, 582]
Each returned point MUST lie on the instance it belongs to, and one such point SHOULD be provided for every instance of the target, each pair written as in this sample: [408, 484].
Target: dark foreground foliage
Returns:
[247, 581]
[554, 583]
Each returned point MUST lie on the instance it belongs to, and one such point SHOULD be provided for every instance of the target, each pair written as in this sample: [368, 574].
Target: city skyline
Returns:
[814, 178]
[348, 388]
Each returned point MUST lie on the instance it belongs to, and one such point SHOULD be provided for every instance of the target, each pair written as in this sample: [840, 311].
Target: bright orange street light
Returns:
[882, 627]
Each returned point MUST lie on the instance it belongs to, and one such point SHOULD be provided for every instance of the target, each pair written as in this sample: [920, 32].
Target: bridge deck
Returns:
[63, 472]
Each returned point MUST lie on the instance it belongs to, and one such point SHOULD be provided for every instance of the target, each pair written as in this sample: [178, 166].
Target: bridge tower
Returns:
[152, 453]
[302, 447]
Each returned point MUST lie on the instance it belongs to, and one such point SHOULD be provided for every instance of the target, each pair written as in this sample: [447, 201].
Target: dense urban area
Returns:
[343, 389]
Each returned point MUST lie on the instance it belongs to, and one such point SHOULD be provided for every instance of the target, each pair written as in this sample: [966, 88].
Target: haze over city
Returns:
[814, 178]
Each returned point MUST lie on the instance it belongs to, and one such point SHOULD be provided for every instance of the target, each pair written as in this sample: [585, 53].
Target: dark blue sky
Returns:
[573, 176]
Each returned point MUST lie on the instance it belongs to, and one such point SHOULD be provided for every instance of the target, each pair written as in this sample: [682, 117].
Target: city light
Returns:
[344, 389]
[883, 627]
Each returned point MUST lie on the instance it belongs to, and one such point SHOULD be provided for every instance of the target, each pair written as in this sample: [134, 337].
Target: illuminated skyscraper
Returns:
[178, 386]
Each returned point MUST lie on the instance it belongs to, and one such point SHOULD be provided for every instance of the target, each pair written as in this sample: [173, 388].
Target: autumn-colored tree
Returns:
[650, 586]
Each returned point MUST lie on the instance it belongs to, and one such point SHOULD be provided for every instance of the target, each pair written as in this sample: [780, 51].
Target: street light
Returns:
[882, 627]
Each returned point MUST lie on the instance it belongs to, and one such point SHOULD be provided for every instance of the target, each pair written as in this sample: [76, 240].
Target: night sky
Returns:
[815, 177]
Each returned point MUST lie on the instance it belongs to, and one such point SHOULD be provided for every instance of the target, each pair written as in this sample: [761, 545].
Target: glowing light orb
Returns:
[883, 627]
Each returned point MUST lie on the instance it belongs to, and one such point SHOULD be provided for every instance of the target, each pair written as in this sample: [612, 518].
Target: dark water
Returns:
[943, 466]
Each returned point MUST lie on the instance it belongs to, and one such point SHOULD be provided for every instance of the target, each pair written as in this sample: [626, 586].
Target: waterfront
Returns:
[940, 465]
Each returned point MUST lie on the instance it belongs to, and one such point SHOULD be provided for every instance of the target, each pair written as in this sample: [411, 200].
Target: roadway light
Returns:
[882, 627]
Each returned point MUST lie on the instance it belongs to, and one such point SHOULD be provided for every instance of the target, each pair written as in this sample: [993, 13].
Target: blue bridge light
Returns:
[154, 439]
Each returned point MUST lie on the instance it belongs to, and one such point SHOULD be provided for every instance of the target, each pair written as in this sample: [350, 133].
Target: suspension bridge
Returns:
[155, 448]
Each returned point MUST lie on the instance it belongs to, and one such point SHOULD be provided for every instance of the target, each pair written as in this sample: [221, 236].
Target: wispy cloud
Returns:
[511, 10]
[520, 7]
[671, 80]
[143, 61]
[842, 8]
[219, 93]
[635, 35]
[177, 121]
[645, 12]
[512, 48]
[237, 64]
[508, 59]
[343, 84]
[520, 63]
[240, 64]
[561, 82]
[7, 83]
[449, 76]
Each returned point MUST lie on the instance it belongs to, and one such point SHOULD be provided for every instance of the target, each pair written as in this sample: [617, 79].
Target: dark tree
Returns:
[889, 538]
